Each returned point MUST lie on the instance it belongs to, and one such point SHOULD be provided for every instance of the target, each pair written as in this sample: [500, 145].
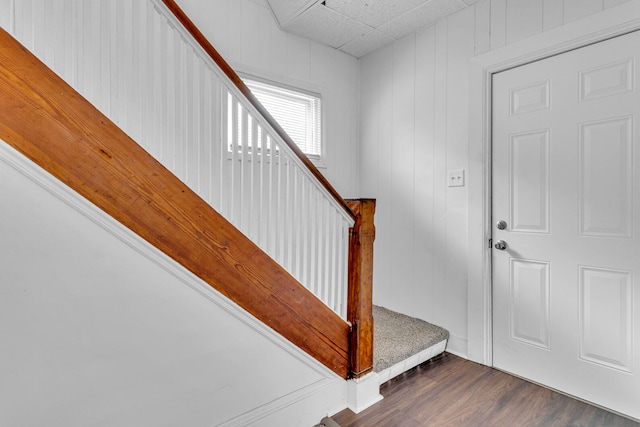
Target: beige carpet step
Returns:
[401, 342]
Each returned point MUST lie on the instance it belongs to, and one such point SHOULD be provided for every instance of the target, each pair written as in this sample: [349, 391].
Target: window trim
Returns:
[318, 161]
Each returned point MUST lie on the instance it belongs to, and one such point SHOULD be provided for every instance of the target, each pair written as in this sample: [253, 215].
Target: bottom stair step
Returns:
[401, 342]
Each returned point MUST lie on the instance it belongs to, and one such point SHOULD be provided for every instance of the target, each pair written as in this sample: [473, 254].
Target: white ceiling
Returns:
[358, 27]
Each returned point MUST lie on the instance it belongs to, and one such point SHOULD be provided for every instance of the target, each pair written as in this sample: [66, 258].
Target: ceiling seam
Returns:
[300, 11]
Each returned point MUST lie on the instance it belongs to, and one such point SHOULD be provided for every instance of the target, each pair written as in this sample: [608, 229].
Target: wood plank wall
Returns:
[414, 128]
[5, 18]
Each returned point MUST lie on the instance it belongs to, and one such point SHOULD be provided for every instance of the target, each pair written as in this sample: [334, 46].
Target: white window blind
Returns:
[298, 113]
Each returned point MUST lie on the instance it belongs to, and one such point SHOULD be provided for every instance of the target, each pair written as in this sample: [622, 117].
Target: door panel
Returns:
[566, 156]
[606, 145]
[606, 297]
[529, 302]
[529, 181]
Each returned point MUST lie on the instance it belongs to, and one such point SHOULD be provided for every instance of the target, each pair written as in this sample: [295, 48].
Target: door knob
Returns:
[501, 245]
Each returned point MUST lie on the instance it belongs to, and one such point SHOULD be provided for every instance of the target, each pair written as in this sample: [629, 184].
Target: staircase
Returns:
[148, 147]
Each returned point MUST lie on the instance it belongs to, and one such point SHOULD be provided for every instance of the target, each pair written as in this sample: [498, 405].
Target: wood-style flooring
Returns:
[451, 391]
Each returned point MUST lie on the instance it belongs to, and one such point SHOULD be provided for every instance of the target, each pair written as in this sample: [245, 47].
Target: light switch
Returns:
[455, 178]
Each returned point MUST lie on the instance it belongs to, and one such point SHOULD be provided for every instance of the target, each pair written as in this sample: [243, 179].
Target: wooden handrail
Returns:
[50, 123]
[237, 81]
[360, 301]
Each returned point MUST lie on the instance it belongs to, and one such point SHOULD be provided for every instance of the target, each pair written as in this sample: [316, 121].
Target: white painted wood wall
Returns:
[414, 128]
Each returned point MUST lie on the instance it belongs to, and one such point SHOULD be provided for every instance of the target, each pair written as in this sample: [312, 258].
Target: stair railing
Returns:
[147, 67]
[51, 124]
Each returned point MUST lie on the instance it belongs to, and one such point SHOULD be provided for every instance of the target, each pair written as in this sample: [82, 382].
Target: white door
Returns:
[566, 182]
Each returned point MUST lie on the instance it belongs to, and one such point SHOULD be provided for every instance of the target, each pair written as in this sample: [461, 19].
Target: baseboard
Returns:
[455, 353]
[304, 407]
[458, 346]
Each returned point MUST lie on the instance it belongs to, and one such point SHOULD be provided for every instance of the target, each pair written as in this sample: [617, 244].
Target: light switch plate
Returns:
[455, 178]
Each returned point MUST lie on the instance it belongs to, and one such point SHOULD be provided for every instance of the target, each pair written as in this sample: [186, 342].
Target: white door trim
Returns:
[609, 23]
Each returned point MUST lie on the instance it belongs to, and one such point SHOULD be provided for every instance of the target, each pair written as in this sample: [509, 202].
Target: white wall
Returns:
[414, 128]
[247, 36]
[96, 331]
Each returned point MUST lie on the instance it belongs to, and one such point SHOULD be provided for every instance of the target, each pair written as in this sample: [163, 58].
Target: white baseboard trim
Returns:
[456, 353]
[363, 392]
[457, 345]
[303, 407]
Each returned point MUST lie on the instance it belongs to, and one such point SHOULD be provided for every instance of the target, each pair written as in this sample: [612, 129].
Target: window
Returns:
[299, 114]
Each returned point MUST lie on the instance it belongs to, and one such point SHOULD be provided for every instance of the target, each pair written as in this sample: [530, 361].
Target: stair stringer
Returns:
[324, 392]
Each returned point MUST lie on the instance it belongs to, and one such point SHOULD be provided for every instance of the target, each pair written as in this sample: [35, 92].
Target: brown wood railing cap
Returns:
[364, 199]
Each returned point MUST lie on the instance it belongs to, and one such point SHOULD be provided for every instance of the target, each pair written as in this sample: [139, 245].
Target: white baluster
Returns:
[254, 230]
[264, 159]
[243, 223]
[233, 189]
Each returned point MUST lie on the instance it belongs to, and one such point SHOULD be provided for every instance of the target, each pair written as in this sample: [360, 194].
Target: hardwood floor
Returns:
[451, 391]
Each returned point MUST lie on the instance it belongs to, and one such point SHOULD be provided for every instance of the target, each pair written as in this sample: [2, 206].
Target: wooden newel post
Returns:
[360, 303]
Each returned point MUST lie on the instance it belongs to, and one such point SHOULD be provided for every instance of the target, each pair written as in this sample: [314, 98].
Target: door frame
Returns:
[609, 23]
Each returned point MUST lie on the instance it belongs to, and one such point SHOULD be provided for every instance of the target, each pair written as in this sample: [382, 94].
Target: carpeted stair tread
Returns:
[397, 337]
